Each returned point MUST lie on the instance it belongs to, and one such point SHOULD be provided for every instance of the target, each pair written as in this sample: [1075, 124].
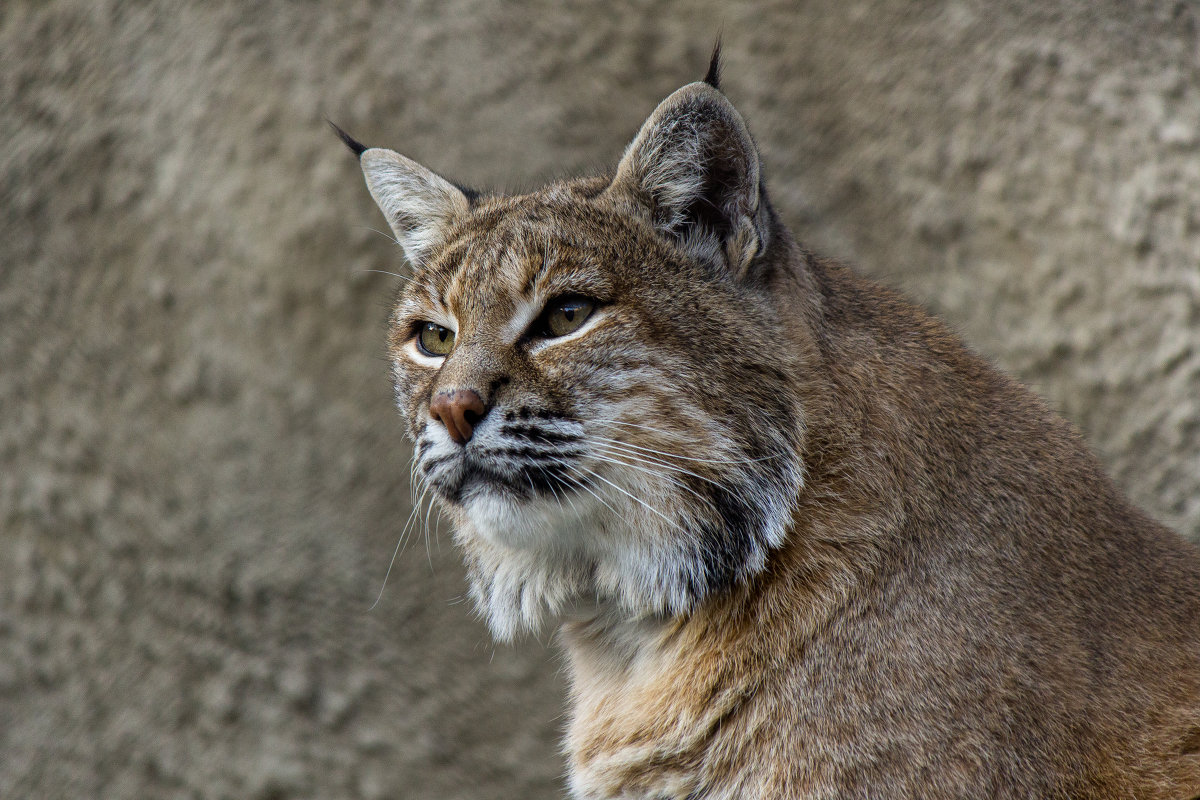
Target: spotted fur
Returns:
[804, 543]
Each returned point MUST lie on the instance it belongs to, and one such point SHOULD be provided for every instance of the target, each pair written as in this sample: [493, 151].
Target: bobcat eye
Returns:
[565, 315]
[434, 340]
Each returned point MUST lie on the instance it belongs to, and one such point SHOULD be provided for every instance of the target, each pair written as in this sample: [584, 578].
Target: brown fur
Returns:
[830, 552]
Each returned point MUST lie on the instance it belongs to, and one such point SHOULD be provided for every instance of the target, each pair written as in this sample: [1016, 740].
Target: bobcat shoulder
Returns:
[802, 542]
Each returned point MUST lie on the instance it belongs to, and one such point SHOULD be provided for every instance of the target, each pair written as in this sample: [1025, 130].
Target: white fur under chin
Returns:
[532, 524]
[528, 560]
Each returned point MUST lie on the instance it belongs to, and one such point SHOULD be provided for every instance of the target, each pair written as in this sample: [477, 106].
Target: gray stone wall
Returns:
[201, 478]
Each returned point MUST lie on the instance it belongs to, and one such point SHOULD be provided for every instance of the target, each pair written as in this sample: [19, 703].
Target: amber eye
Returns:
[565, 315]
[434, 340]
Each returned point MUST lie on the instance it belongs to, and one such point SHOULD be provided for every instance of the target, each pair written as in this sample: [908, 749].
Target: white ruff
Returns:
[528, 558]
[532, 559]
[537, 525]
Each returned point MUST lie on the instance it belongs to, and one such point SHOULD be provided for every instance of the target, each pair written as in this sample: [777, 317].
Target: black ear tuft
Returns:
[713, 76]
[355, 146]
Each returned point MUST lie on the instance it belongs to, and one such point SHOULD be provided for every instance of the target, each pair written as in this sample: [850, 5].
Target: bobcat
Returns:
[802, 541]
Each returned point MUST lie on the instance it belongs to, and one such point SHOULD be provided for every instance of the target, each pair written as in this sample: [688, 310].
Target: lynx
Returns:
[801, 541]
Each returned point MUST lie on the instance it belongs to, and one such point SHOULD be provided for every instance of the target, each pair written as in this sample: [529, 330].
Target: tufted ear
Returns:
[418, 203]
[694, 167]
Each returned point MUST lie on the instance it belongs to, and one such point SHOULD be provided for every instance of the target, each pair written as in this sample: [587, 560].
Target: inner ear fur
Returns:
[695, 168]
[418, 203]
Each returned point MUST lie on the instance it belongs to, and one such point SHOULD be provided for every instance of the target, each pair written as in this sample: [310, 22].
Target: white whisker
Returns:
[428, 551]
[673, 479]
[614, 448]
[399, 544]
[679, 455]
[634, 498]
[582, 484]
[387, 236]
[385, 272]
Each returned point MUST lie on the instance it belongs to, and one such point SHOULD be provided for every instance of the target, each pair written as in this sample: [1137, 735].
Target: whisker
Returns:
[428, 551]
[674, 480]
[570, 502]
[615, 448]
[634, 498]
[567, 495]
[399, 544]
[385, 272]
[387, 236]
[413, 480]
[437, 525]
[554, 492]
[582, 484]
[412, 279]
[683, 457]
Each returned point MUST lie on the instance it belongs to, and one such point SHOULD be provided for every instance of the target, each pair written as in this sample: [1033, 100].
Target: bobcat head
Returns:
[601, 390]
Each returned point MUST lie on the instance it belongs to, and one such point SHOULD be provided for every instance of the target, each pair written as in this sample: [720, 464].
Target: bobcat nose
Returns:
[460, 410]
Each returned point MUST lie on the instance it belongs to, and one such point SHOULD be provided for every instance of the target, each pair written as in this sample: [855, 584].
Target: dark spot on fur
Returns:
[434, 463]
[533, 433]
[532, 452]
[495, 386]
[1191, 742]
[727, 544]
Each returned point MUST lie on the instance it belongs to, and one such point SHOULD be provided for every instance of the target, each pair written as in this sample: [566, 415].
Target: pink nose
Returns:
[460, 410]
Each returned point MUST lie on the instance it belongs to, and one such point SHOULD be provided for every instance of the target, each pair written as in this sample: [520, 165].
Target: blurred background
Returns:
[202, 479]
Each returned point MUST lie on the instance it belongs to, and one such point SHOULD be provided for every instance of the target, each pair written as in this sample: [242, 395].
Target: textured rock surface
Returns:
[201, 479]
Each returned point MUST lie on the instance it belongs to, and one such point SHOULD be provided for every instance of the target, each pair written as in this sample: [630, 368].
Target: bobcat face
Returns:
[594, 377]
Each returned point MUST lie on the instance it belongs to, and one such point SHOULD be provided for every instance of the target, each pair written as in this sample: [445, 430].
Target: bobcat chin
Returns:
[802, 541]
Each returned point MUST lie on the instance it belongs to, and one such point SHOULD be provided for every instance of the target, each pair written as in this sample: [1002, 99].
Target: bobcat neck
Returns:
[661, 708]
[904, 636]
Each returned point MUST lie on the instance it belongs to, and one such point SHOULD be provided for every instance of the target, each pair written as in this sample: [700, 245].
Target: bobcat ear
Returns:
[419, 204]
[695, 168]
